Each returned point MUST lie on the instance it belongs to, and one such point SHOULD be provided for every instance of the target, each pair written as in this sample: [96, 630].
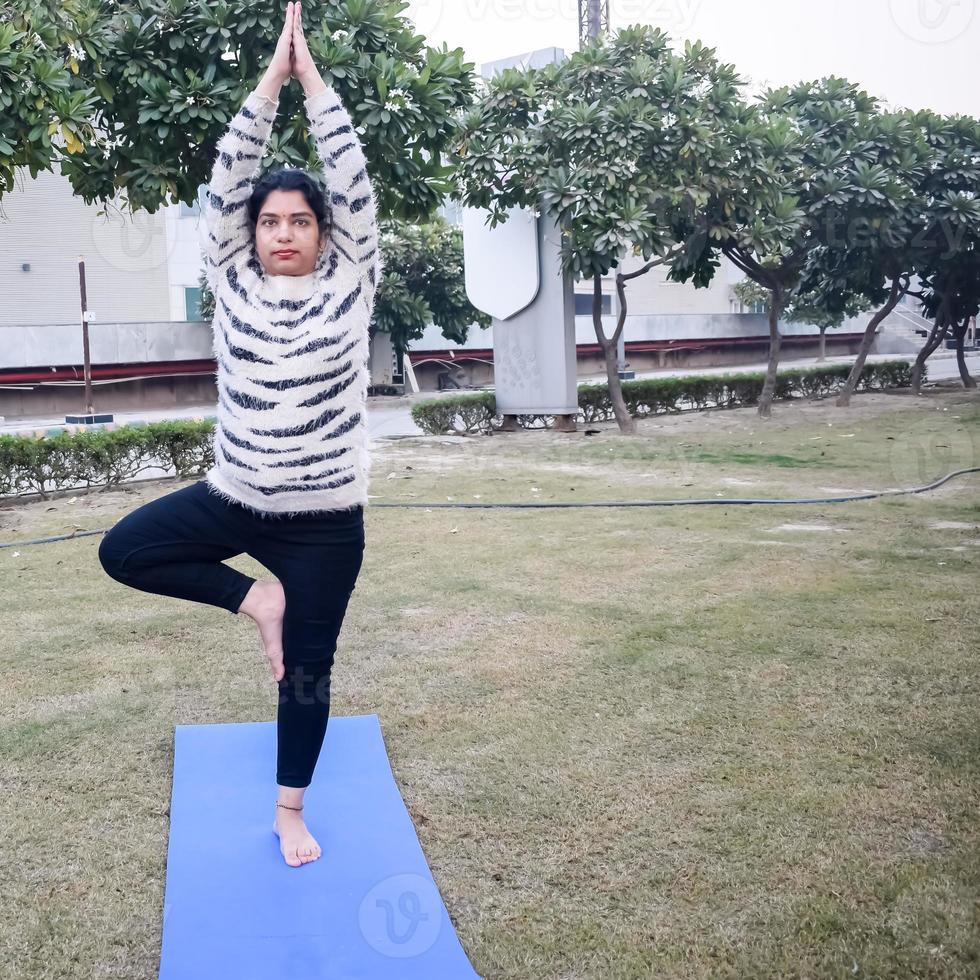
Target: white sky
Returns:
[915, 53]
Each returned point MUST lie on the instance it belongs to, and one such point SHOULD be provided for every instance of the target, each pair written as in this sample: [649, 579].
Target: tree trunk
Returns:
[768, 389]
[625, 421]
[894, 295]
[934, 339]
[823, 344]
[959, 332]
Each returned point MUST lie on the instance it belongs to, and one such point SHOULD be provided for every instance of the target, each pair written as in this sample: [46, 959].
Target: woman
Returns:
[294, 271]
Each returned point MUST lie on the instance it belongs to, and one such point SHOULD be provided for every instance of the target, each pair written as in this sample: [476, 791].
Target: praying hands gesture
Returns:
[291, 59]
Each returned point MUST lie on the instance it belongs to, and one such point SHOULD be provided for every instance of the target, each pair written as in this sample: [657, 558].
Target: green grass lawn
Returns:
[686, 741]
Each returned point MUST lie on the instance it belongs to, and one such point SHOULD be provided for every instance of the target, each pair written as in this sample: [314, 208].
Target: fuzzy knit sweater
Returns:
[291, 436]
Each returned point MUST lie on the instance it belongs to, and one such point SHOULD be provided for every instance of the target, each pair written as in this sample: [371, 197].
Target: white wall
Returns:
[43, 224]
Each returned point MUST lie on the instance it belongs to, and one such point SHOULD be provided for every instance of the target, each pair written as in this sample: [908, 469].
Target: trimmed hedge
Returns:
[104, 457]
[477, 412]
[107, 458]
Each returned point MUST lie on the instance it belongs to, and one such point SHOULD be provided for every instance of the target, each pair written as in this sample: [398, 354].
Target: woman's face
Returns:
[286, 235]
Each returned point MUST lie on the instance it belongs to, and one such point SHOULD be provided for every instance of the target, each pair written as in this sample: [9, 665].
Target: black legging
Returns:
[176, 545]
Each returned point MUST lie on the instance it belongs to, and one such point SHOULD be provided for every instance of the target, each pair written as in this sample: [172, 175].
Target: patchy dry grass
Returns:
[689, 741]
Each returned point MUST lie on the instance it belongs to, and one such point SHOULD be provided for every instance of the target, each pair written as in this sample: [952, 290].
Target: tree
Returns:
[40, 52]
[622, 143]
[815, 309]
[923, 229]
[138, 95]
[424, 283]
[950, 297]
[948, 256]
[869, 263]
[828, 173]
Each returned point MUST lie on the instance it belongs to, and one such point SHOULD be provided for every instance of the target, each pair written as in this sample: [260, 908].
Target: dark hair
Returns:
[291, 179]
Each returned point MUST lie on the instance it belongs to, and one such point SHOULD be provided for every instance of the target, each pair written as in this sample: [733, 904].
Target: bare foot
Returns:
[297, 844]
[266, 604]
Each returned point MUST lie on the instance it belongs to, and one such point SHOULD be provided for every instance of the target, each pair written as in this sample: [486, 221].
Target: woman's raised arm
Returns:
[352, 202]
[226, 231]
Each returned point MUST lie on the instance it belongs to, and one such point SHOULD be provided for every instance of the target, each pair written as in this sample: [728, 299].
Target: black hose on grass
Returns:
[725, 501]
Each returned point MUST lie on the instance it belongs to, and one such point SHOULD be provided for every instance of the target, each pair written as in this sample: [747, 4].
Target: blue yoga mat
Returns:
[367, 909]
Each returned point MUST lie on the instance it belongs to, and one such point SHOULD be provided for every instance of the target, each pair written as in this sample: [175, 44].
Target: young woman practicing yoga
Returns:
[294, 269]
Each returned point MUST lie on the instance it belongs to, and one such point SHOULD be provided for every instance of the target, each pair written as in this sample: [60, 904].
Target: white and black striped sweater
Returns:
[292, 351]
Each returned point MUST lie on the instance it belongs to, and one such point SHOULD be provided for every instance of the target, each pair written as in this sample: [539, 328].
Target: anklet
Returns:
[283, 805]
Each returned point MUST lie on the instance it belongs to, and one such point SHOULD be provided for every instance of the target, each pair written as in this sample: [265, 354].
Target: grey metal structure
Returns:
[535, 365]
[593, 19]
[534, 355]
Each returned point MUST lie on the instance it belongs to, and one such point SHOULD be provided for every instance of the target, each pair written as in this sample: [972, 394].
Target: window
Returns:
[583, 304]
[192, 303]
[758, 306]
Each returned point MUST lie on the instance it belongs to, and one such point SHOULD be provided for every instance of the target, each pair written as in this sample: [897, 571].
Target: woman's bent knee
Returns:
[111, 557]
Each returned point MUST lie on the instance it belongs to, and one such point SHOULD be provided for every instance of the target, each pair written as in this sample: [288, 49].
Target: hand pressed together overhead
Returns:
[292, 58]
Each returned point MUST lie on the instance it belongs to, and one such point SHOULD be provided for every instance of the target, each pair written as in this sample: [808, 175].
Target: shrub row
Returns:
[109, 457]
[104, 457]
[477, 412]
